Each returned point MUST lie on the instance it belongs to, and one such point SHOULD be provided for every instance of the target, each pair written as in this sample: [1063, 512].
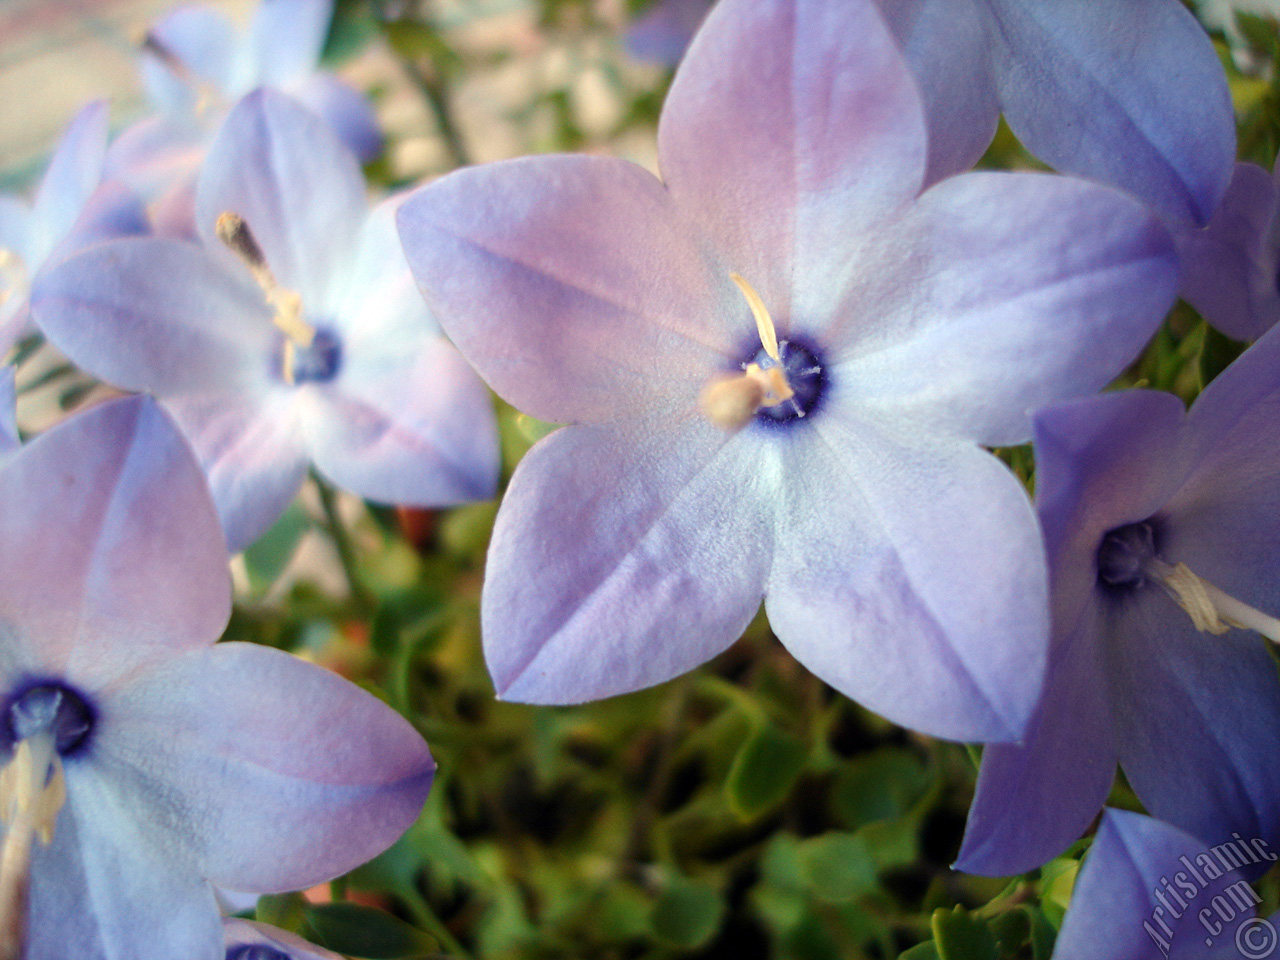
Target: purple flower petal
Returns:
[664, 32]
[1114, 913]
[251, 447]
[282, 169]
[286, 39]
[1230, 269]
[276, 773]
[9, 439]
[573, 286]
[997, 307]
[1035, 798]
[1129, 93]
[139, 568]
[870, 590]
[946, 43]
[784, 141]
[583, 598]
[73, 174]
[346, 110]
[159, 155]
[247, 933]
[112, 885]
[156, 315]
[205, 42]
[414, 428]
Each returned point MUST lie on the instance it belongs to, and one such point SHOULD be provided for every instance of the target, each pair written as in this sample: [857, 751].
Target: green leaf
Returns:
[881, 785]
[958, 935]
[283, 910]
[364, 932]
[687, 914]
[764, 771]
[266, 559]
[921, 951]
[838, 866]
[1057, 879]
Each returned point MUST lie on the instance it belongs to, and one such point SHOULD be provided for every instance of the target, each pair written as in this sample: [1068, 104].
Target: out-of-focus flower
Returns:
[1148, 891]
[1149, 515]
[291, 332]
[1221, 14]
[247, 940]
[196, 65]
[780, 366]
[144, 762]
[1231, 268]
[71, 208]
[9, 439]
[663, 33]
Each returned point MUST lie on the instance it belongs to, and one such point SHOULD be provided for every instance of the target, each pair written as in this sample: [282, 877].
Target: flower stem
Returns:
[342, 543]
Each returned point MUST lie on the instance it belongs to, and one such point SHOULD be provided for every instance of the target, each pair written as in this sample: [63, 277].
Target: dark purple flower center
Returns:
[51, 707]
[318, 363]
[805, 375]
[255, 951]
[1124, 554]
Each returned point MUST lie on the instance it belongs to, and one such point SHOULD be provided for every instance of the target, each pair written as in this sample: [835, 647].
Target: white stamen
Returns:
[731, 402]
[1211, 609]
[32, 792]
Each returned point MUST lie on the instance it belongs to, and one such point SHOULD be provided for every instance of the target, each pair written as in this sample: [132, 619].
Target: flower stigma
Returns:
[782, 381]
[1128, 558]
[236, 236]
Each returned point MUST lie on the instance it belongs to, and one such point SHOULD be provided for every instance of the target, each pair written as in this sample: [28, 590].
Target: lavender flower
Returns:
[9, 439]
[1148, 891]
[779, 366]
[292, 333]
[247, 940]
[143, 762]
[1160, 533]
[1231, 269]
[663, 33]
[71, 208]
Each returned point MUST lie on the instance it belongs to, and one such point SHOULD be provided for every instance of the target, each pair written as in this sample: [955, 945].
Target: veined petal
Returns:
[872, 591]
[1197, 720]
[346, 110]
[623, 557]
[414, 426]
[380, 306]
[1231, 268]
[156, 315]
[1131, 93]
[1007, 292]
[112, 551]
[205, 41]
[1035, 798]
[947, 44]
[286, 39]
[274, 773]
[112, 885]
[792, 126]
[74, 173]
[279, 166]
[573, 286]
[1114, 914]
[251, 448]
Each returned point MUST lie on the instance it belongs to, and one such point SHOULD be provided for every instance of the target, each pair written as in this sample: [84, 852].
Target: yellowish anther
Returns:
[32, 792]
[764, 322]
[732, 402]
[1212, 610]
[236, 236]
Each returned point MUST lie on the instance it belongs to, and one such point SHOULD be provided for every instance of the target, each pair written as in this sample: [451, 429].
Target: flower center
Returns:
[317, 363]
[1125, 553]
[255, 951]
[53, 708]
[783, 381]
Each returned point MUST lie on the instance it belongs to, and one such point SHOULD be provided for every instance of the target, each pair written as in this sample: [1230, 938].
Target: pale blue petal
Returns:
[74, 173]
[279, 166]
[346, 110]
[274, 773]
[286, 39]
[573, 286]
[662, 35]
[112, 554]
[205, 42]
[1129, 93]
[622, 557]
[986, 302]
[9, 439]
[875, 590]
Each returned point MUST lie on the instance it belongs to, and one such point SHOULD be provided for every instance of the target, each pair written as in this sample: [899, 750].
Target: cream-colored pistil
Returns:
[1211, 609]
[730, 402]
[32, 792]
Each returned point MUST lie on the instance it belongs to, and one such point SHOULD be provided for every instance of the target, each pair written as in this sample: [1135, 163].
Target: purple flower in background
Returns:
[291, 333]
[780, 363]
[1148, 891]
[196, 65]
[71, 208]
[1231, 269]
[1149, 515]
[664, 32]
[144, 762]
[247, 940]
